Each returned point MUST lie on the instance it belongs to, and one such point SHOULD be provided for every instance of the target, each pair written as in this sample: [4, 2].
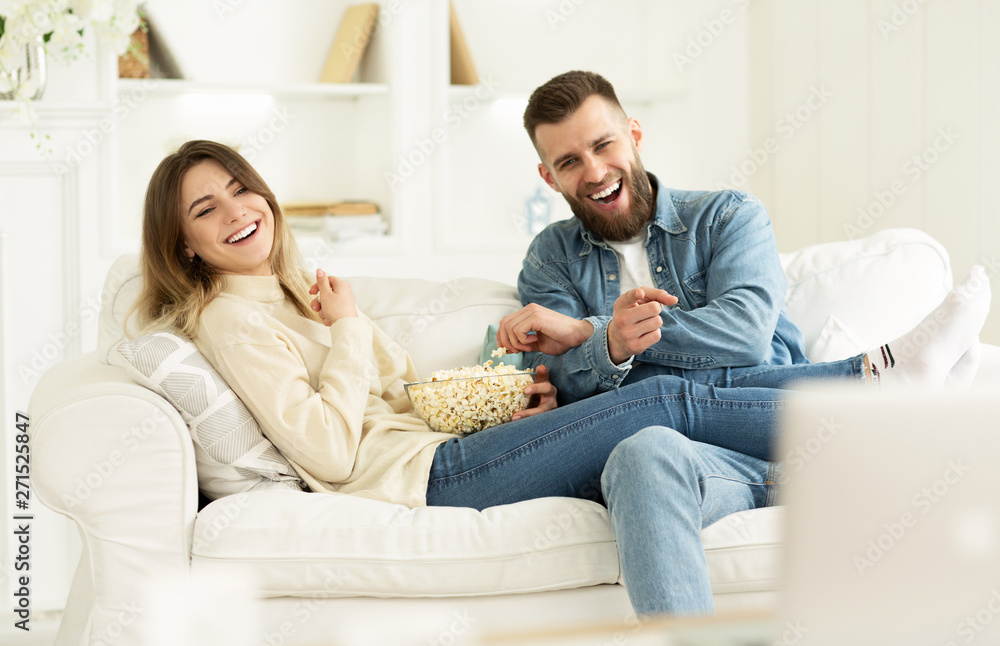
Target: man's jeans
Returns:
[764, 376]
[661, 486]
[661, 490]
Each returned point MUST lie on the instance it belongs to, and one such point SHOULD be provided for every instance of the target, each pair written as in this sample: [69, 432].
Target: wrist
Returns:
[617, 355]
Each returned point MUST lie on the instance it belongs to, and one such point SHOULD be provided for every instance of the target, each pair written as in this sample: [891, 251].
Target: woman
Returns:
[326, 385]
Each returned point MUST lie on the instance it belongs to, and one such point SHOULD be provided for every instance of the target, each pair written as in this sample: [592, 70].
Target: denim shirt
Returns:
[714, 251]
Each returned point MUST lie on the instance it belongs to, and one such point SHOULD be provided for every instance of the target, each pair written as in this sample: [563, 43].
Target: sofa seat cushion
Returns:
[309, 544]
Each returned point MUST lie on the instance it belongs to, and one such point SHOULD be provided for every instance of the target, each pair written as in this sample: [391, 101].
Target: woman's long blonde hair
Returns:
[175, 290]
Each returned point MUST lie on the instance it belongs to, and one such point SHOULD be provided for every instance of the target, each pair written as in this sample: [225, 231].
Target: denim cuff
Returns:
[609, 374]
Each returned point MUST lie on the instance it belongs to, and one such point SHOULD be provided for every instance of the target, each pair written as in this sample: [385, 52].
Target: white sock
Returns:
[927, 353]
[964, 372]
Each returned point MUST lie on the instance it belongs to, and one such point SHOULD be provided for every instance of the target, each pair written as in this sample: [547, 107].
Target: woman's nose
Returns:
[234, 211]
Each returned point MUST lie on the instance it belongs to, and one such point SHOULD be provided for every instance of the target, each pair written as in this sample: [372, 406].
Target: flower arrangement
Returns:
[58, 26]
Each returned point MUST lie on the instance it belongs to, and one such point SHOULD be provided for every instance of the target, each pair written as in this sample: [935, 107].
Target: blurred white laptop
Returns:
[892, 517]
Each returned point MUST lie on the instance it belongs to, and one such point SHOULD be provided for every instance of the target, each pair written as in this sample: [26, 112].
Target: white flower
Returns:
[12, 54]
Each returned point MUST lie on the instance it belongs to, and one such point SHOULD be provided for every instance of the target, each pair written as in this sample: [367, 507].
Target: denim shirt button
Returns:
[659, 269]
[612, 276]
[614, 376]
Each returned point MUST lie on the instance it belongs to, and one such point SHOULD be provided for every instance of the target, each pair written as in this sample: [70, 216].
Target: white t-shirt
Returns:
[633, 262]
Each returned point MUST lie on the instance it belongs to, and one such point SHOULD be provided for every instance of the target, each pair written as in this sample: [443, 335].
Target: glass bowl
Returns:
[464, 405]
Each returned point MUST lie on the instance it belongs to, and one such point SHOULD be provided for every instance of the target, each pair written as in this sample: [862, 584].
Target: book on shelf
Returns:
[338, 227]
[463, 70]
[349, 46]
[343, 207]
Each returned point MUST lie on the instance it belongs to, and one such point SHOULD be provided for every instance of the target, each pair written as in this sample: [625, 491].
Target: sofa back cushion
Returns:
[876, 287]
[871, 289]
[441, 324]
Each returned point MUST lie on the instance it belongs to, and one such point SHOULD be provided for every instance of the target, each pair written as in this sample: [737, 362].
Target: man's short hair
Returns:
[560, 97]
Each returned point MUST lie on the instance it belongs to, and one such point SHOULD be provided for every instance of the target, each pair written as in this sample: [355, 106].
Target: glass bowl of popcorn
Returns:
[469, 399]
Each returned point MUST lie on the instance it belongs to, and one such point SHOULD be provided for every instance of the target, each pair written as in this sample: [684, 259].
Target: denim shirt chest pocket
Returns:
[696, 288]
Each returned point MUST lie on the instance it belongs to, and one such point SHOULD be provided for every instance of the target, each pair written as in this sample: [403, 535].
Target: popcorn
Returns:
[469, 399]
[499, 352]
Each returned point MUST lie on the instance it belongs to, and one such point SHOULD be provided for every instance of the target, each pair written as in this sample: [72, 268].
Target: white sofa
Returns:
[341, 562]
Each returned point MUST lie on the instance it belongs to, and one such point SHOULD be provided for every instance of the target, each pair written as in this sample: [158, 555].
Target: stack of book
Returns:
[335, 220]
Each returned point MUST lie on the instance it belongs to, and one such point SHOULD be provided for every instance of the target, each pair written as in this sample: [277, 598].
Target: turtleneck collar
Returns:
[263, 289]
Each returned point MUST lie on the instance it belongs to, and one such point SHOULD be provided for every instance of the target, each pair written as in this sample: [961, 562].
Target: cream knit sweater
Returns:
[331, 399]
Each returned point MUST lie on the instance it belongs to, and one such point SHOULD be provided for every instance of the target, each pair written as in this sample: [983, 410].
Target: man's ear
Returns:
[635, 132]
[546, 174]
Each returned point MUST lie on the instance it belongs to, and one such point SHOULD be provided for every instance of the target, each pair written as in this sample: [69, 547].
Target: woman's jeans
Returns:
[704, 456]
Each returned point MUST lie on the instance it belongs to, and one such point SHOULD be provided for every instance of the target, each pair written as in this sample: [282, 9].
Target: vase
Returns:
[32, 72]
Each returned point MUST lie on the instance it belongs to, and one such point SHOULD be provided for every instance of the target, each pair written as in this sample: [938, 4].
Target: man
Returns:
[647, 280]
[595, 289]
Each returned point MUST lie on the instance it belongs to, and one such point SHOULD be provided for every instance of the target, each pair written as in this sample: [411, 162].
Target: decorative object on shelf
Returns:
[22, 70]
[134, 64]
[537, 212]
[349, 46]
[463, 70]
[59, 26]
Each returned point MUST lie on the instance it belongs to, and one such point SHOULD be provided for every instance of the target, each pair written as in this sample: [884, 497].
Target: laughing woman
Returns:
[667, 456]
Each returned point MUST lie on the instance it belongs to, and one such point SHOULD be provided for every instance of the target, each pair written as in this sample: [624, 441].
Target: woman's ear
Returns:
[188, 252]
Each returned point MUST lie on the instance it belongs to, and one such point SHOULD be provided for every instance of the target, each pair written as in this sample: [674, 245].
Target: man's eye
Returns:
[603, 144]
[566, 163]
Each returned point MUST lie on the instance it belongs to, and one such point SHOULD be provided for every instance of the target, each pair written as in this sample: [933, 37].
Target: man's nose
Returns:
[594, 170]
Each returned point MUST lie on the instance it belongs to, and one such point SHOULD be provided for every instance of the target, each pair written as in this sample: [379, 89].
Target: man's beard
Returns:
[622, 227]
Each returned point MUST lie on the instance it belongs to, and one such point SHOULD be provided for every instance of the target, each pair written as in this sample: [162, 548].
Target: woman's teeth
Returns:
[606, 192]
[236, 237]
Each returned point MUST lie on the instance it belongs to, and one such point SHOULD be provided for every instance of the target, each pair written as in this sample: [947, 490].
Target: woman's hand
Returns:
[543, 395]
[334, 298]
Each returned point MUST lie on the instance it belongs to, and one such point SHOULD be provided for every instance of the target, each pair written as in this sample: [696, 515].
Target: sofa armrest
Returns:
[118, 460]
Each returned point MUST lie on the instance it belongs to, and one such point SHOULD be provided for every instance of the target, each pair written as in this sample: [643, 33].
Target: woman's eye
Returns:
[241, 190]
[203, 212]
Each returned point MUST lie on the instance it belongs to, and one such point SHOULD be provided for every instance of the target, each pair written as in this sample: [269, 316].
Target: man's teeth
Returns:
[606, 192]
[236, 237]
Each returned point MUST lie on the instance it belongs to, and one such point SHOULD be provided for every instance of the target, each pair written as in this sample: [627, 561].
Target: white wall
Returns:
[905, 136]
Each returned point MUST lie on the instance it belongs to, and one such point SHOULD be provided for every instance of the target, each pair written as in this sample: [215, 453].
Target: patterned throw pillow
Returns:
[231, 451]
